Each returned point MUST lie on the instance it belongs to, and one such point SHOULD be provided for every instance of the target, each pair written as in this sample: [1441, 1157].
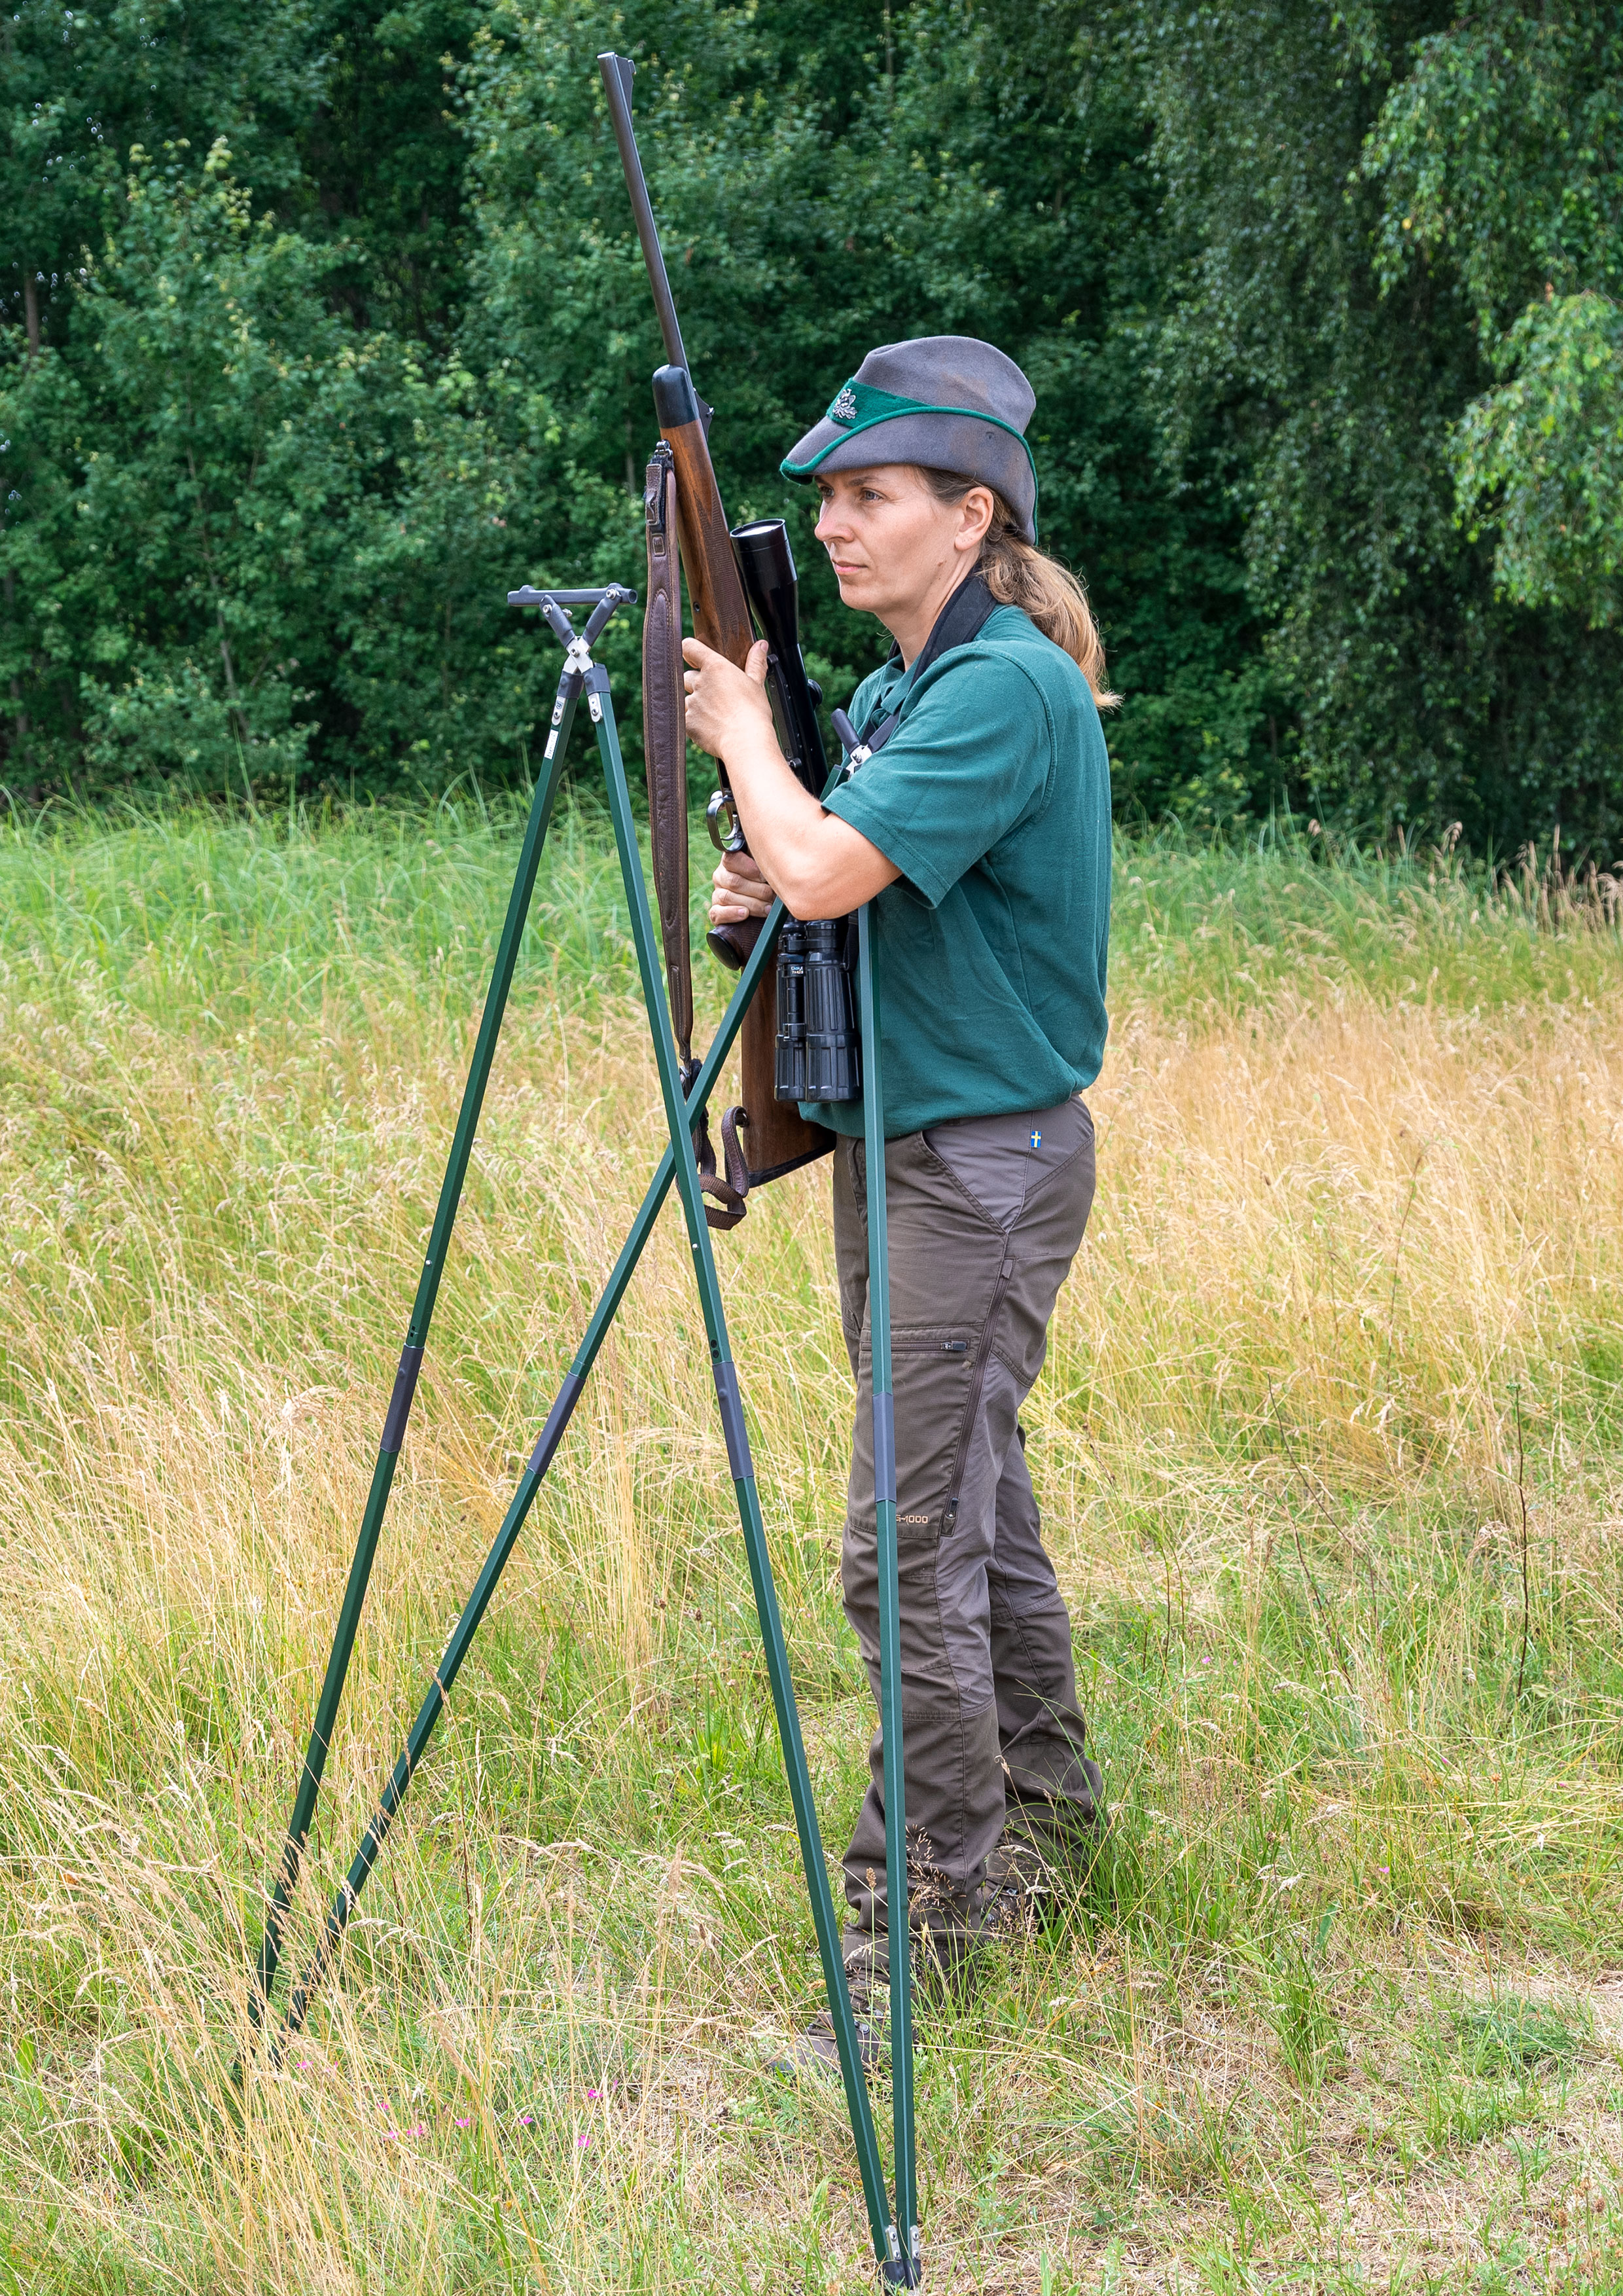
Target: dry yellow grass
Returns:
[1333, 2001]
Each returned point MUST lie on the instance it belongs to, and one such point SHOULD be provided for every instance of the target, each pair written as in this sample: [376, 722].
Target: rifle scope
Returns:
[766, 567]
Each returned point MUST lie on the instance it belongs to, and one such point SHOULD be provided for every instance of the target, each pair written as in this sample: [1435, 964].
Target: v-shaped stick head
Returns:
[554, 603]
[531, 597]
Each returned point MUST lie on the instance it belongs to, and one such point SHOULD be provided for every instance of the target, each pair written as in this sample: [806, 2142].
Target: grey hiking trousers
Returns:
[985, 1217]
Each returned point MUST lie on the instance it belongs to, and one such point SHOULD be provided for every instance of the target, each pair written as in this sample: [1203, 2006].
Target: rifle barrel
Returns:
[616, 71]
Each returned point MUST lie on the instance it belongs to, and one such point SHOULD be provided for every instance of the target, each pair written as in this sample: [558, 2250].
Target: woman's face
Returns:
[892, 545]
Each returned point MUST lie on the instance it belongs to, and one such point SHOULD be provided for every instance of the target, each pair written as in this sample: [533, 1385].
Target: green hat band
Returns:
[857, 406]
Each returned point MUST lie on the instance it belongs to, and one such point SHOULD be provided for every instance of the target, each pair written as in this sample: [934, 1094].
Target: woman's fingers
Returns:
[739, 890]
[725, 704]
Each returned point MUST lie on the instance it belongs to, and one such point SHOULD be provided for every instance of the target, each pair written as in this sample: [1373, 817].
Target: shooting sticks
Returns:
[895, 2237]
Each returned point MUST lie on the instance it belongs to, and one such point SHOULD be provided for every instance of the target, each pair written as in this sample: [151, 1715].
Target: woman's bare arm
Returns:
[820, 865]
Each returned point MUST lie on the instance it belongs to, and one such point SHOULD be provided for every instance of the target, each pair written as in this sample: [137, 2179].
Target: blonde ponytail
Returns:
[1018, 574]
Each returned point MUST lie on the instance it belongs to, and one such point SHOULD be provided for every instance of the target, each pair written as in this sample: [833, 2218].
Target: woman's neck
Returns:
[911, 627]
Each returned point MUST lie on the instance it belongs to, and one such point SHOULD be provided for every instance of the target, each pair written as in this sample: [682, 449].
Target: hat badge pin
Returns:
[844, 408]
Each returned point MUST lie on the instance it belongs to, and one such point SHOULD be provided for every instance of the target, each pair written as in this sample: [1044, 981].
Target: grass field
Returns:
[1331, 1450]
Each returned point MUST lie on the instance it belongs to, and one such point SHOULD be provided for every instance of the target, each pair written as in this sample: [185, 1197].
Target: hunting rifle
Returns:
[728, 572]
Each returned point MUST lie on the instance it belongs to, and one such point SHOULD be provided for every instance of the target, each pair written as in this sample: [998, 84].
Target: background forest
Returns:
[322, 322]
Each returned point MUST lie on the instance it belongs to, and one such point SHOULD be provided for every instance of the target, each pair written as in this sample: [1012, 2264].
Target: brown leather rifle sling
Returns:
[665, 743]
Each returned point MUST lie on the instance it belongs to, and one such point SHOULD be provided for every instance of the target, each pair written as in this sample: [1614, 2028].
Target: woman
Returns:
[982, 833]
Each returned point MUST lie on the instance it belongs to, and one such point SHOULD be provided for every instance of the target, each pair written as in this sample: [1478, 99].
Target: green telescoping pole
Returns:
[889, 1607]
[416, 1338]
[541, 1458]
[725, 1375]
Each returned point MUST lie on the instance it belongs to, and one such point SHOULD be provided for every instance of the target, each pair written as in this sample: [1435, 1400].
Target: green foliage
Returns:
[1501, 147]
[1345, 364]
[382, 161]
[1503, 152]
[228, 502]
[1321, 307]
[1547, 446]
[78, 87]
[314, 526]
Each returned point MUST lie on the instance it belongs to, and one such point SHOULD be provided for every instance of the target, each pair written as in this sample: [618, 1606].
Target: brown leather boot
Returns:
[867, 1976]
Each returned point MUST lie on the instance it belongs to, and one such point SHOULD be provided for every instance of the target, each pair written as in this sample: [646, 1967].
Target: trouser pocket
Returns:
[932, 1374]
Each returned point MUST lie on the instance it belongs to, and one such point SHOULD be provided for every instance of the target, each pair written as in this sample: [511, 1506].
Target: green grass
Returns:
[1215, 931]
[253, 915]
[1330, 2007]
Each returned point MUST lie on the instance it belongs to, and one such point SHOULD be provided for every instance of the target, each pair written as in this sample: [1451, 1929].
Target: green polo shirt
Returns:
[993, 799]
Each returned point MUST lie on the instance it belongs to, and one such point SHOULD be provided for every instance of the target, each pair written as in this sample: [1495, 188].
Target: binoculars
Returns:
[819, 1047]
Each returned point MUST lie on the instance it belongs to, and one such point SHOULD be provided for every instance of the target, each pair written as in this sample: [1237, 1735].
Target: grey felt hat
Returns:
[945, 401]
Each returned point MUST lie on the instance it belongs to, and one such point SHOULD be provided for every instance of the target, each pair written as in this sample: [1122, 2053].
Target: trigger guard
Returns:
[719, 808]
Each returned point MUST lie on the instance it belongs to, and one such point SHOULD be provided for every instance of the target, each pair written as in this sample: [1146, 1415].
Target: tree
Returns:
[1344, 374]
[1500, 156]
[77, 87]
[248, 527]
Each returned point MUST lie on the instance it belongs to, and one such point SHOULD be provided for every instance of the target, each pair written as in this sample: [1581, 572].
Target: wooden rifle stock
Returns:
[721, 617]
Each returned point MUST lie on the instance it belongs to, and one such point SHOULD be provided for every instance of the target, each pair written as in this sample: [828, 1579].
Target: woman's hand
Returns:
[741, 890]
[726, 709]
[728, 713]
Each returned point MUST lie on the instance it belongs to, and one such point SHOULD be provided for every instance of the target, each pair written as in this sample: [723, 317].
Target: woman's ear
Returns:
[975, 513]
